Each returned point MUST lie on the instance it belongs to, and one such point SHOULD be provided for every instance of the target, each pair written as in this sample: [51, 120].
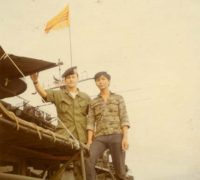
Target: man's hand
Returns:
[125, 144]
[37, 85]
[89, 143]
[125, 138]
[34, 77]
[90, 137]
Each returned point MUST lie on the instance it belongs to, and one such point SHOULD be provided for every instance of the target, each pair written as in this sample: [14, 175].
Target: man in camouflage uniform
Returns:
[71, 105]
[107, 128]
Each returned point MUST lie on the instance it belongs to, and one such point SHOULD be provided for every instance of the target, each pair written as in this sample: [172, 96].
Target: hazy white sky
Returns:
[151, 49]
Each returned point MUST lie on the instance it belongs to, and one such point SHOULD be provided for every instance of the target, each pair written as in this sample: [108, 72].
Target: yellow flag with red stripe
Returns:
[61, 20]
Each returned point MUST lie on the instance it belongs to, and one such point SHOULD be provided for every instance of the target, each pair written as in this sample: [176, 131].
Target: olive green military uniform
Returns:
[71, 111]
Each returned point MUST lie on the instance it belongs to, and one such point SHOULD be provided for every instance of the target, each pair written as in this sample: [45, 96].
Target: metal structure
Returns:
[29, 147]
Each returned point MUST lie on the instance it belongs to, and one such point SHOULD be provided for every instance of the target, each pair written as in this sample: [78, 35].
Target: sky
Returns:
[151, 50]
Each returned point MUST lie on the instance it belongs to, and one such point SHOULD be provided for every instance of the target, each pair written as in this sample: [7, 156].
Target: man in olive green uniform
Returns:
[107, 128]
[71, 105]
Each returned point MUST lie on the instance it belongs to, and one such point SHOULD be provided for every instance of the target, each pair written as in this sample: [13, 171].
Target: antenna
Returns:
[59, 67]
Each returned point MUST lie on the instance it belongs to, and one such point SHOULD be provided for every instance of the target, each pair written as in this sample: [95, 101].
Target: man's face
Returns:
[71, 80]
[102, 82]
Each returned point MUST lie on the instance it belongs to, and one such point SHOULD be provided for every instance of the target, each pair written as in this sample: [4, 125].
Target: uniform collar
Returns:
[111, 93]
[80, 94]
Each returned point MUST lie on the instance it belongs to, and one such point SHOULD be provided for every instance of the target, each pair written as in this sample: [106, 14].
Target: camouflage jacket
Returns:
[107, 118]
[71, 111]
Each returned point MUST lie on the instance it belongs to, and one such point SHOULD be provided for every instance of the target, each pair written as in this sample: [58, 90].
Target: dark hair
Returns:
[102, 73]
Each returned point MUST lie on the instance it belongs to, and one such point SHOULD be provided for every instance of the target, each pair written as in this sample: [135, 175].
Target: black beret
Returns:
[102, 73]
[69, 71]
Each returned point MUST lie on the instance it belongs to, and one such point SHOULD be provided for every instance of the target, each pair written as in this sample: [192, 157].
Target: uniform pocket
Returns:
[97, 110]
[114, 106]
[84, 107]
[64, 105]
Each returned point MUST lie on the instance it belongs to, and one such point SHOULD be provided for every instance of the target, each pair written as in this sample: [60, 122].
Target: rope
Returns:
[38, 131]
[67, 130]
[53, 135]
[10, 114]
[3, 56]
[15, 118]
[15, 65]
[76, 141]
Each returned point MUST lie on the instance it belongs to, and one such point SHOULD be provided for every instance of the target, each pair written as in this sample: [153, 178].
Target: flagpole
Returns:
[70, 41]
[70, 46]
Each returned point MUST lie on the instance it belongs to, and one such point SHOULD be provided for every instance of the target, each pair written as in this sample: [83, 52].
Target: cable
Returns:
[4, 57]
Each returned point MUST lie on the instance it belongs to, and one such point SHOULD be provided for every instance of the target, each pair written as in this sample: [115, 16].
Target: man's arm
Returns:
[125, 124]
[90, 137]
[37, 85]
[90, 125]
[125, 138]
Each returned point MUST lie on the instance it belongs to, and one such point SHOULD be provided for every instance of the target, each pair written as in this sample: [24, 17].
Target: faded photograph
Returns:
[54, 110]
